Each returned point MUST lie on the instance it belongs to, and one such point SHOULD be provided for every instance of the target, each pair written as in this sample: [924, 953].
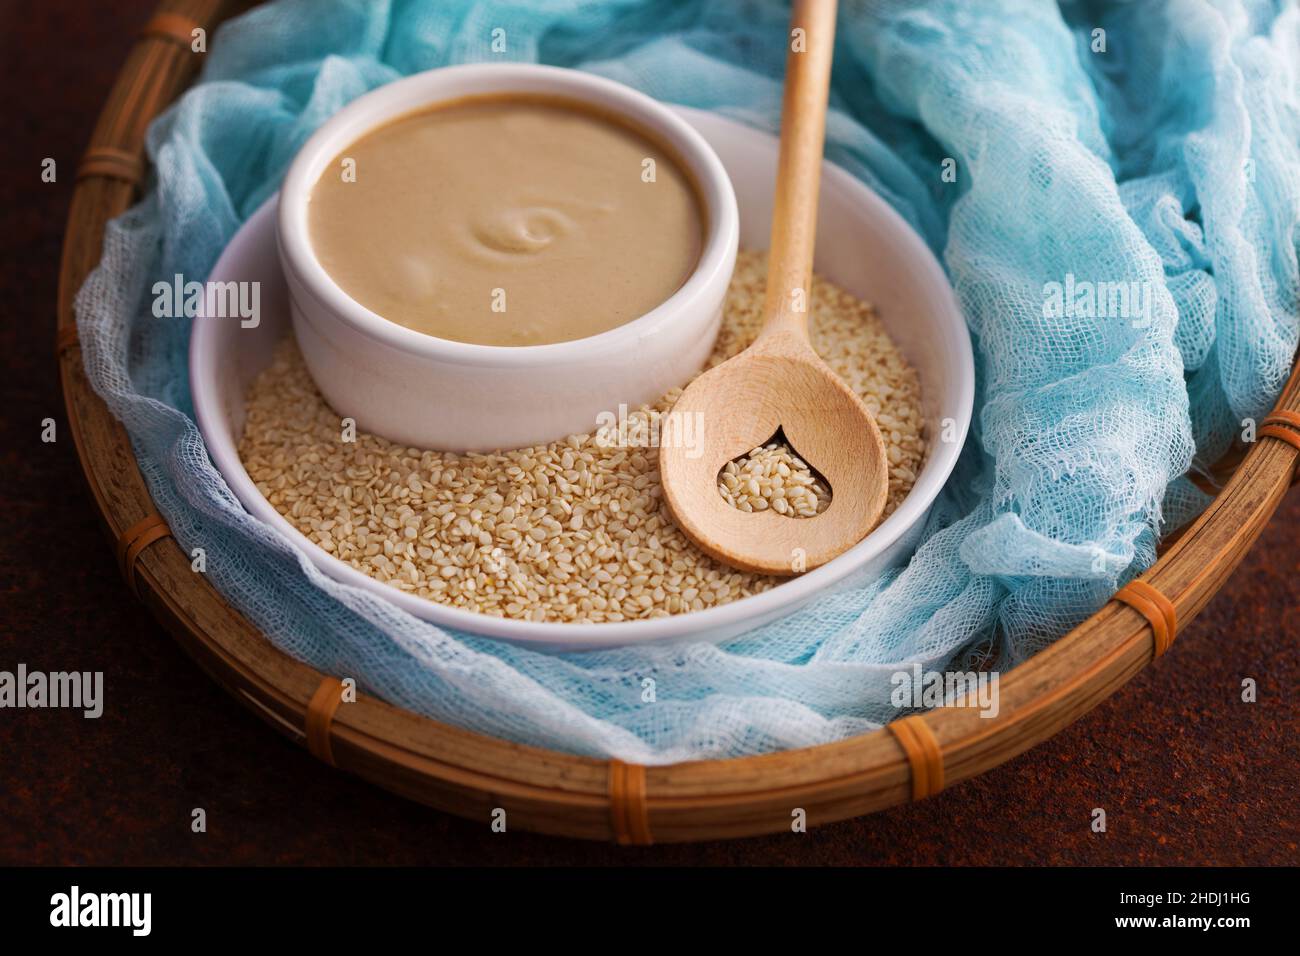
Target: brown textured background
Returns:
[1186, 772]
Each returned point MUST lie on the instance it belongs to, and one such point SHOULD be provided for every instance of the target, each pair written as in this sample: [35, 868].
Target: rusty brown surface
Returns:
[1186, 772]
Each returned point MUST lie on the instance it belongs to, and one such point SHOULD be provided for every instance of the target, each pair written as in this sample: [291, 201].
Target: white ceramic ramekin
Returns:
[428, 392]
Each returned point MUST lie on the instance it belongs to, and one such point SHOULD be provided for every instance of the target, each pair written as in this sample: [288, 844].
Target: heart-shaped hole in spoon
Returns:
[773, 475]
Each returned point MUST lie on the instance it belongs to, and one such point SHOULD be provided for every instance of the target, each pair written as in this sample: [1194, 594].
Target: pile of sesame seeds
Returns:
[770, 476]
[575, 530]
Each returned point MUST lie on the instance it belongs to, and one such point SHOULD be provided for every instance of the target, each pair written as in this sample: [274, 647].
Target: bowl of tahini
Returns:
[494, 256]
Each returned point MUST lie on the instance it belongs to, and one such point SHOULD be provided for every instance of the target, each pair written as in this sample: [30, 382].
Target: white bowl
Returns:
[862, 245]
[427, 392]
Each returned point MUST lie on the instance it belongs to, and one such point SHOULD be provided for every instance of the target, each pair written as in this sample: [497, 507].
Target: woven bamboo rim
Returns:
[472, 775]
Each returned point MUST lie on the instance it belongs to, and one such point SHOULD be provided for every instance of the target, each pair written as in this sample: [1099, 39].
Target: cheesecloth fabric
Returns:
[1090, 146]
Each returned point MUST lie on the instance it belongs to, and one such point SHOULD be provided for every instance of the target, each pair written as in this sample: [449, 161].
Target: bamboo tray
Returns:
[472, 775]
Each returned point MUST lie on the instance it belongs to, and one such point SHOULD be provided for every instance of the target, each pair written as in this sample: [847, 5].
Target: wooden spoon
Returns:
[779, 381]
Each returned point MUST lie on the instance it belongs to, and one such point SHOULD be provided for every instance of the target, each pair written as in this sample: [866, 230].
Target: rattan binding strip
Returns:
[1156, 608]
[111, 163]
[172, 26]
[1284, 425]
[320, 718]
[923, 754]
[627, 804]
[134, 540]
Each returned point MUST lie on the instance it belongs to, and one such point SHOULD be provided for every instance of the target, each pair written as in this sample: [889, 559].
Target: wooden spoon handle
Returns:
[798, 171]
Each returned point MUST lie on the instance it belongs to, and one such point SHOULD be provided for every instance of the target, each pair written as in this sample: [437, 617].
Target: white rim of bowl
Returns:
[561, 636]
[390, 102]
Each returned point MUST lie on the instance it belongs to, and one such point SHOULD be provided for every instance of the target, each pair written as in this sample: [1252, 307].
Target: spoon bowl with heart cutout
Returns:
[779, 386]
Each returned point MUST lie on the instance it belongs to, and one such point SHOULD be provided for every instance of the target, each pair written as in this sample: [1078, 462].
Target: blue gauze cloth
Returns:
[1151, 143]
